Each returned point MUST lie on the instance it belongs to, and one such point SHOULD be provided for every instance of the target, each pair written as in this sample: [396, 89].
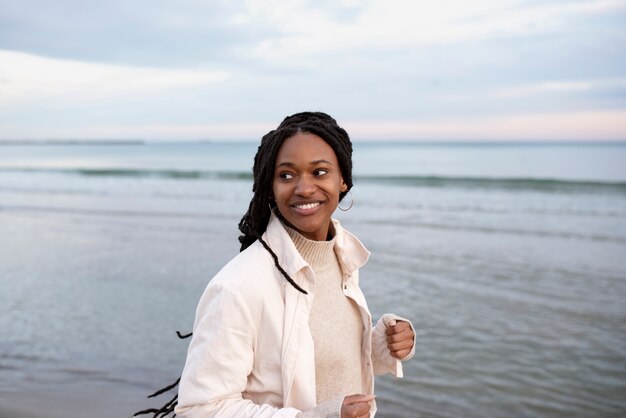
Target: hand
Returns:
[356, 406]
[400, 338]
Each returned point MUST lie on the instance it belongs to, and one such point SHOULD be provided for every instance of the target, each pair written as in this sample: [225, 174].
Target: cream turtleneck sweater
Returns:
[335, 323]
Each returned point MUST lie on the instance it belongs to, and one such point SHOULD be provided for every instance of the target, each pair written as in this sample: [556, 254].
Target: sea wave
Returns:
[135, 172]
[509, 184]
[521, 231]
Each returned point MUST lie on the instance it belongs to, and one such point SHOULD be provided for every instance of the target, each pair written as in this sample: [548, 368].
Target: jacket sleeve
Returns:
[382, 360]
[219, 359]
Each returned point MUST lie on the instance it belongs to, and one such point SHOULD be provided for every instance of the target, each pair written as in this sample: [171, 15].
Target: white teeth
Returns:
[307, 206]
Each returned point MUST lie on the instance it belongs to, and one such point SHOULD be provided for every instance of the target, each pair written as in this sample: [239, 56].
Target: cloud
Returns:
[28, 78]
[151, 67]
[163, 33]
[138, 33]
[407, 23]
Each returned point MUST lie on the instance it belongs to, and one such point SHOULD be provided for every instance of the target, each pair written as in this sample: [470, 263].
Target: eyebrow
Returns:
[289, 164]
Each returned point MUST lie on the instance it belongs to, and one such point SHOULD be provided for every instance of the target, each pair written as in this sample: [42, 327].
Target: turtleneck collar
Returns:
[318, 254]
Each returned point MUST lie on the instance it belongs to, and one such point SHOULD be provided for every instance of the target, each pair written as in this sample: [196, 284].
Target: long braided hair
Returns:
[254, 223]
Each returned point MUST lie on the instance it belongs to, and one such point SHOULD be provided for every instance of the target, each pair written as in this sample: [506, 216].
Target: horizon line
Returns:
[143, 141]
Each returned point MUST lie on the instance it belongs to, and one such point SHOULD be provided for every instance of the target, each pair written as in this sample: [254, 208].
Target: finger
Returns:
[400, 340]
[397, 327]
[359, 409]
[399, 354]
[353, 399]
[390, 326]
[400, 345]
[407, 334]
[356, 409]
[401, 327]
[401, 336]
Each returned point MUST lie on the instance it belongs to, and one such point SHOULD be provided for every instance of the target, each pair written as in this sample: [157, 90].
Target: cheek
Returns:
[279, 191]
[276, 188]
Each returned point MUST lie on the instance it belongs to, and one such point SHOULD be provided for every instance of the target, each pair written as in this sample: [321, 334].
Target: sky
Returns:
[471, 70]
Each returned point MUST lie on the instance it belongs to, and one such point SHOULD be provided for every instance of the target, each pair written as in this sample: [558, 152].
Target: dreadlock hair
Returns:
[254, 223]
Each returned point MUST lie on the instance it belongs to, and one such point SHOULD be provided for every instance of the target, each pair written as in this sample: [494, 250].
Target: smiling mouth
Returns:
[306, 206]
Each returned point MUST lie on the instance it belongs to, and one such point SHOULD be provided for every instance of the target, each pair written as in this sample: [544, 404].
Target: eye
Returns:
[285, 176]
[320, 171]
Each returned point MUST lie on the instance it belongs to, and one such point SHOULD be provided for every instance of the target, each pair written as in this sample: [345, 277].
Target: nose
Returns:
[305, 186]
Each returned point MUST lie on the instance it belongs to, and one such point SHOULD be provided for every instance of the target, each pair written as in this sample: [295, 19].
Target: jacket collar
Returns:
[351, 253]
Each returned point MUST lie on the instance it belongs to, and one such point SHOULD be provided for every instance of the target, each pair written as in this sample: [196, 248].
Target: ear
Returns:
[344, 186]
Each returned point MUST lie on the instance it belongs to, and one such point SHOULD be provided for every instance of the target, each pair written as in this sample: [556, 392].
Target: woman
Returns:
[283, 329]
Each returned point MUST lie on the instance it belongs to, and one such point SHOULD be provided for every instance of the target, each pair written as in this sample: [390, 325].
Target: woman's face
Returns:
[307, 182]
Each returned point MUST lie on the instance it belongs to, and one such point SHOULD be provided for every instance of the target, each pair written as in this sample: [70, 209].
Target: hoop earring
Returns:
[351, 202]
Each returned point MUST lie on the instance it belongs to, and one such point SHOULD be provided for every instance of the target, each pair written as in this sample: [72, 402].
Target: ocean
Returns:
[510, 259]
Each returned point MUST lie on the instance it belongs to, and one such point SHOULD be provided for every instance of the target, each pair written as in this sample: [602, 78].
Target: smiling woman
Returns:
[264, 346]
